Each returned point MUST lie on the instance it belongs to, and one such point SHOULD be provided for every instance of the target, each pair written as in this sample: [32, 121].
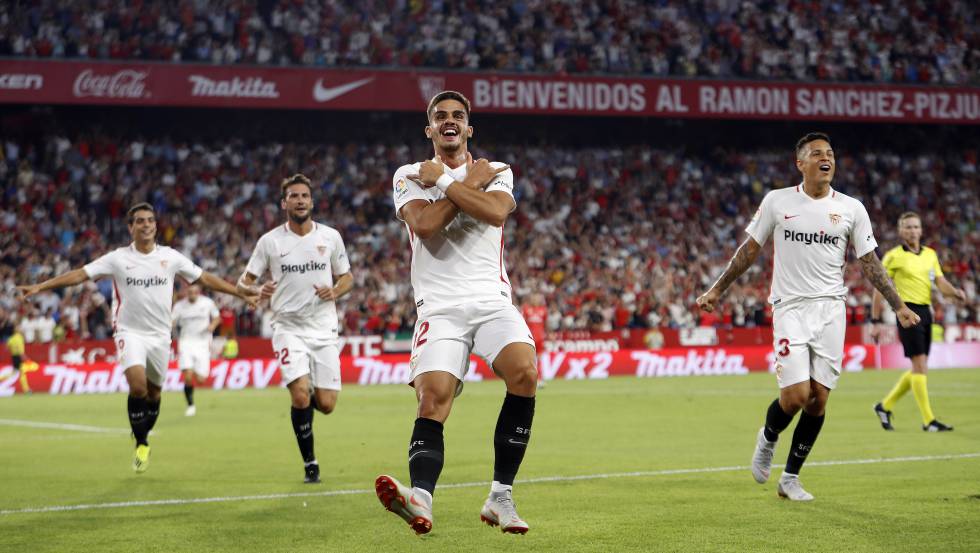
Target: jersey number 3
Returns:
[784, 350]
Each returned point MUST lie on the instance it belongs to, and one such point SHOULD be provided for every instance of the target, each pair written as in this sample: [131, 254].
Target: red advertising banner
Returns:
[79, 352]
[235, 374]
[576, 341]
[71, 82]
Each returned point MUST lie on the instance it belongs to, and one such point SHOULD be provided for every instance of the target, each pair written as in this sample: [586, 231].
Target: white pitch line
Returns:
[64, 426]
[600, 476]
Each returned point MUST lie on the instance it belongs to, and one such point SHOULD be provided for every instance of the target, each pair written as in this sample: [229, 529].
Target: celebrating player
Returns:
[811, 225]
[143, 288]
[310, 272]
[197, 317]
[914, 267]
[455, 211]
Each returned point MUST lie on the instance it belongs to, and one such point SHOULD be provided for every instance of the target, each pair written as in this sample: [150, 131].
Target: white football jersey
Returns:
[810, 241]
[298, 264]
[465, 261]
[194, 318]
[143, 286]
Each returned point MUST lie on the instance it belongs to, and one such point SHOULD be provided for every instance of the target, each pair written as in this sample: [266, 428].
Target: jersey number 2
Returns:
[283, 356]
[420, 336]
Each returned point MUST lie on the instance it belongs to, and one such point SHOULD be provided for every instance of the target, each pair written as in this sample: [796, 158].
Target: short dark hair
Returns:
[447, 95]
[808, 138]
[142, 206]
[298, 178]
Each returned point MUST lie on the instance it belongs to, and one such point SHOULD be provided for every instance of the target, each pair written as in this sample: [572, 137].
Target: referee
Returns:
[914, 268]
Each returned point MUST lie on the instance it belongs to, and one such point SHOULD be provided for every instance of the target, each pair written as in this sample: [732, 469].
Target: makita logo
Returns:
[126, 83]
[304, 268]
[712, 362]
[252, 87]
[21, 81]
[809, 238]
[146, 282]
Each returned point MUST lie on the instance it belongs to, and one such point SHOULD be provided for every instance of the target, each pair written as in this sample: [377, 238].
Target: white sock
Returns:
[425, 495]
[497, 487]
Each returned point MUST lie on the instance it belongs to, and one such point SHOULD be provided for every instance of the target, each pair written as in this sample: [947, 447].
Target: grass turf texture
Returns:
[241, 444]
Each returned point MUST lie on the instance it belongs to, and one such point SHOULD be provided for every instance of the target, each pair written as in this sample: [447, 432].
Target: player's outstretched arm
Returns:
[218, 284]
[70, 278]
[874, 271]
[744, 257]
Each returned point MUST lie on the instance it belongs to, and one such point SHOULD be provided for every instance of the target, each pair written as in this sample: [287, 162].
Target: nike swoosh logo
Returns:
[283, 254]
[515, 442]
[414, 502]
[789, 216]
[130, 268]
[414, 455]
[321, 94]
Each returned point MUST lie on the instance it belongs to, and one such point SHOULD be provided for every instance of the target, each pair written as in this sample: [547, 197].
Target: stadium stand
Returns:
[899, 41]
[616, 235]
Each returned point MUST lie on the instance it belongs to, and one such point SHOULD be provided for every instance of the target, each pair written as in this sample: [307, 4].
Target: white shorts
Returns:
[444, 338]
[150, 352]
[302, 355]
[194, 355]
[808, 338]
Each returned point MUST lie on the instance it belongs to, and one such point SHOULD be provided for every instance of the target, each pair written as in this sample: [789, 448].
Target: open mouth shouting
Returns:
[825, 168]
[450, 133]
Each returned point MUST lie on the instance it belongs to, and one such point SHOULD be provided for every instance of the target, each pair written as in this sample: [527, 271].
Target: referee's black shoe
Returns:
[312, 470]
[884, 416]
[936, 426]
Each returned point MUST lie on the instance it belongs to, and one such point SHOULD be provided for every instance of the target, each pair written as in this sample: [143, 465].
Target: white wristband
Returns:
[443, 182]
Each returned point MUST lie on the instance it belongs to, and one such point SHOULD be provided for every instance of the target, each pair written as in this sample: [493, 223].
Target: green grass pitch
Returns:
[662, 467]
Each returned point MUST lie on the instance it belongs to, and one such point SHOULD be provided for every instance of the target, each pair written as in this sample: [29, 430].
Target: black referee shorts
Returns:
[15, 361]
[917, 339]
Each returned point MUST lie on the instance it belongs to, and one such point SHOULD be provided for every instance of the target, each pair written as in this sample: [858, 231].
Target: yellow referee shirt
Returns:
[913, 273]
[16, 344]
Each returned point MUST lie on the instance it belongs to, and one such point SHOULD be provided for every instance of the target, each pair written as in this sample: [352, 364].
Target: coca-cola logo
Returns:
[126, 83]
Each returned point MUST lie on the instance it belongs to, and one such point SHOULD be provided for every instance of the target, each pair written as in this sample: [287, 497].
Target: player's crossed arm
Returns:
[874, 271]
[744, 257]
[491, 208]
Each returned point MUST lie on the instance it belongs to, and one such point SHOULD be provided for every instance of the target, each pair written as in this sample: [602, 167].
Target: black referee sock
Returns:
[807, 430]
[303, 427]
[776, 421]
[426, 454]
[189, 394]
[137, 418]
[152, 412]
[511, 437]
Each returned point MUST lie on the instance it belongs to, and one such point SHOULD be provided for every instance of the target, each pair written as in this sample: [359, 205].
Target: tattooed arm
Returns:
[874, 271]
[744, 257]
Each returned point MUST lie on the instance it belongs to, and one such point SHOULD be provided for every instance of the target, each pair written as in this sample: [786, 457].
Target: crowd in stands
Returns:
[901, 41]
[614, 237]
